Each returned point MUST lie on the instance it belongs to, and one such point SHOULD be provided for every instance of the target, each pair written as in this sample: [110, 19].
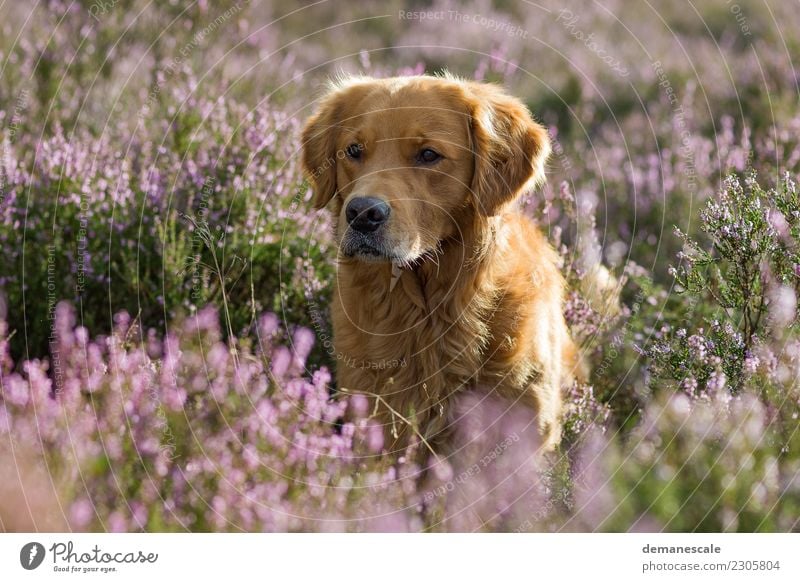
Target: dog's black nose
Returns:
[366, 214]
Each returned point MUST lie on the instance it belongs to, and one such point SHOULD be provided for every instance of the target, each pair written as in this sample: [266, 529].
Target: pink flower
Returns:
[81, 513]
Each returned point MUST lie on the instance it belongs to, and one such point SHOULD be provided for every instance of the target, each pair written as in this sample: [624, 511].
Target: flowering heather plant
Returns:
[694, 464]
[187, 434]
[163, 322]
[493, 480]
[159, 231]
[747, 282]
[583, 411]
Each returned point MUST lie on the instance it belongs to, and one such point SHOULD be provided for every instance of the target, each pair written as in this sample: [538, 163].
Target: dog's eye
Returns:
[428, 156]
[354, 150]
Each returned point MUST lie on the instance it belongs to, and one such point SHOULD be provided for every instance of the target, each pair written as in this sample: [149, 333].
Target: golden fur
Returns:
[465, 292]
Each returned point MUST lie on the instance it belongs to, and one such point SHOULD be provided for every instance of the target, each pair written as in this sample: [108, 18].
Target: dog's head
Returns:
[403, 162]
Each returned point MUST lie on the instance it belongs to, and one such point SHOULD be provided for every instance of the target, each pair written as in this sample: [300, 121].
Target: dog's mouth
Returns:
[370, 249]
[366, 252]
[366, 247]
[373, 247]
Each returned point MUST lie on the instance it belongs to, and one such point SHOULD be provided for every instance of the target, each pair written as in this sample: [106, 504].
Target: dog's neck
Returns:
[457, 264]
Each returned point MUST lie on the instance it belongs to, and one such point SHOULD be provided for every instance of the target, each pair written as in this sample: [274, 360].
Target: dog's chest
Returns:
[393, 338]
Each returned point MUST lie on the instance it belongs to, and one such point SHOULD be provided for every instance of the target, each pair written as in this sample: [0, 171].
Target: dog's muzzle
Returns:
[364, 238]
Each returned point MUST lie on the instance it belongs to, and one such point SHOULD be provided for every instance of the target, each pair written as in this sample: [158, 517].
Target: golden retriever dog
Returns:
[443, 285]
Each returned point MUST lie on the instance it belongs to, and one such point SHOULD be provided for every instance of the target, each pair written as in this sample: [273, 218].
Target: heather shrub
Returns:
[721, 454]
[493, 481]
[709, 463]
[188, 434]
[742, 290]
[165, 361]
[160, 231]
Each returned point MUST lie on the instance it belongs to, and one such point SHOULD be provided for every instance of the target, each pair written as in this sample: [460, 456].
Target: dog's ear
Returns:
[319, 149]
[510, 148]
[321, 133]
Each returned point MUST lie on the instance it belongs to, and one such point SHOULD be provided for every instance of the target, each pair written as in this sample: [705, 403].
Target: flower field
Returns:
[165, 355]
